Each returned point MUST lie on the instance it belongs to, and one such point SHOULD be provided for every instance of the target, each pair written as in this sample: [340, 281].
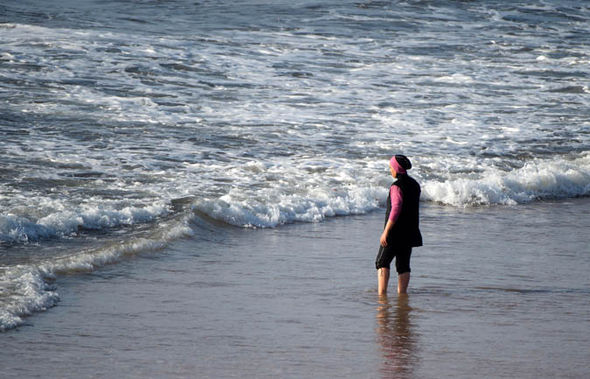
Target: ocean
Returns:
[231, 157]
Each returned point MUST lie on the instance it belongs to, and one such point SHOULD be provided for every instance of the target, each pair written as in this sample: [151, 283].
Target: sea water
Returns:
[122, 124]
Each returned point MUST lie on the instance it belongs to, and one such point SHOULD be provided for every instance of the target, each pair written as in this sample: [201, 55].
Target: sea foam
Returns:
[25, 288]
[482, 185]
[273, 209]
[22, 292]
[15, 228]
[535, 180]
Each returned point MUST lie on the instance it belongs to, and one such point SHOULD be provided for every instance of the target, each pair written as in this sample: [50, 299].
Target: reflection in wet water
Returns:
[396, 337]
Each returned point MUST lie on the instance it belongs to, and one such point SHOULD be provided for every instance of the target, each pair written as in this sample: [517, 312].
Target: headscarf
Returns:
[400, 163]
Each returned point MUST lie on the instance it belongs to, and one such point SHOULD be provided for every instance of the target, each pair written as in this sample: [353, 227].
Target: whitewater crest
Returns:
[539, 179]
[19, 229]
[271, 209]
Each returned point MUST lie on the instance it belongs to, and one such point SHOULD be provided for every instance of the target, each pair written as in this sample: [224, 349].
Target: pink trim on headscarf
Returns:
[396, 166]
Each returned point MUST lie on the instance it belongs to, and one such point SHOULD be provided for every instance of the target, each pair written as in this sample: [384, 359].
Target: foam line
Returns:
[536, 180]
[63, 223]
[24, 289]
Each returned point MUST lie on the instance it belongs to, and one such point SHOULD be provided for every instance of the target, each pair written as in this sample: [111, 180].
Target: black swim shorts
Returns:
[400, 253]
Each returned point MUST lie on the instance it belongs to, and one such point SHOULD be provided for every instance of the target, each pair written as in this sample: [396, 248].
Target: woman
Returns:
[401, 232]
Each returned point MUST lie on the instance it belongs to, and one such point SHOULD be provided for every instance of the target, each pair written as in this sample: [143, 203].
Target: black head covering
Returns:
[403, 161]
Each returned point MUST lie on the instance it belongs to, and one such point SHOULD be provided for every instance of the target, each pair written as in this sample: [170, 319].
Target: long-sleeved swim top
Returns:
[397, 200]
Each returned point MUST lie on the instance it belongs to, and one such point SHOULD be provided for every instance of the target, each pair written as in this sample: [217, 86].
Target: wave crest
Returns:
[273, 209]
[536, 180]
[18, 229]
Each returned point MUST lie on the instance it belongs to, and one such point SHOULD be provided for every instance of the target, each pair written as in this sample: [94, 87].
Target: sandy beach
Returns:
[489, 297]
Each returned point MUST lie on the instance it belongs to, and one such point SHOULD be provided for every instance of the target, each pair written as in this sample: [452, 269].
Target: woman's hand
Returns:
[383, 239]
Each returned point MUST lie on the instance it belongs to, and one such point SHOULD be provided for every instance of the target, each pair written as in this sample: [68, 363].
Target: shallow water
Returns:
[494, 293]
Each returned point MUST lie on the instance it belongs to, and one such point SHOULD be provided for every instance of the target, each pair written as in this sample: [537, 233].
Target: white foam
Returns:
[24, 289]
[316, 193]
[537, 179]
[308, 190]
[454, 78]
[63, 223]
[267, 114]
[22, 292]
[278, 209]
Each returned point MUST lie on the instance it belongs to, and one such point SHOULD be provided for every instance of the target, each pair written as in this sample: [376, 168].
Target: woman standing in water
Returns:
[401, 232]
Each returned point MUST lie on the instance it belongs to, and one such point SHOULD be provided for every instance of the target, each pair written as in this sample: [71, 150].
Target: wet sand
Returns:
[496, 292]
